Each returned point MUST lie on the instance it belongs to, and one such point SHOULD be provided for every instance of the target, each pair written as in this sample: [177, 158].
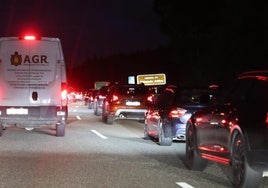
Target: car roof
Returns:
[257, 74]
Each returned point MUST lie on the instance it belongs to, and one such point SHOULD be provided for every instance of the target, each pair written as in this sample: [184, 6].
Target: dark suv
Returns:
[98, 99]
[233, 130]
[129, 101]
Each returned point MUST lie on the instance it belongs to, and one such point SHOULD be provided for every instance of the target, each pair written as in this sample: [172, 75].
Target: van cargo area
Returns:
[33, 83]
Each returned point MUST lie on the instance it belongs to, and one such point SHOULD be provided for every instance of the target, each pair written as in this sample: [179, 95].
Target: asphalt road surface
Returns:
[93, 154]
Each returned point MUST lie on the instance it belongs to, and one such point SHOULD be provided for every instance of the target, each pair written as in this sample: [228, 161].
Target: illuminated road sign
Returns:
[151, 79]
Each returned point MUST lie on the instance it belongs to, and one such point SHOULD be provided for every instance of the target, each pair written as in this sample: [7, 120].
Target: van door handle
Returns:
[34, 95]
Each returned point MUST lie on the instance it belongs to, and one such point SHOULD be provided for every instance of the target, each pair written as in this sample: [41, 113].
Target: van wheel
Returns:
[104, 118]
[95, 110]
[110, 120]
[60, 129]
[98, 111]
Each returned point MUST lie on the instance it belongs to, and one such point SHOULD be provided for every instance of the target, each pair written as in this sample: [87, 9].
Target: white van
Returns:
[32, 83]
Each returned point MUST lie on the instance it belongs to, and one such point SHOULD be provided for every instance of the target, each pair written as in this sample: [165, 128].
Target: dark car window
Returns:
[193, 96]
[257, 94]
[250, 95]
[257, 99]
[233, 93]
[184, 97]
[165, 99]
[132, 90]
[104, 90]
[239, 93]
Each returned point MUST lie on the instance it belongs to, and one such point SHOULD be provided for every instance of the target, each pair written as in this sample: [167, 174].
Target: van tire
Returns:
[110, 120]
[98, 111]
[60, 130]
[104, 118]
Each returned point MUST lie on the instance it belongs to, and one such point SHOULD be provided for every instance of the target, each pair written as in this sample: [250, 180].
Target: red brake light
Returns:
[150, 98]
[29, 37]
[177, 113]
[64, 94]
[223, 121]
[102, 96]
[198, 119]
[64, 97]
[114, 98]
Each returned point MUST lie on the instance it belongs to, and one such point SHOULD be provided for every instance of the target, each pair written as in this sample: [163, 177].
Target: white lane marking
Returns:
[184, 185]
[78, 117]
[99, 134]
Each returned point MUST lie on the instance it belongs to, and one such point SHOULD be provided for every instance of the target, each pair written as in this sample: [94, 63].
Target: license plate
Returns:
[133, 103]
[17, 111]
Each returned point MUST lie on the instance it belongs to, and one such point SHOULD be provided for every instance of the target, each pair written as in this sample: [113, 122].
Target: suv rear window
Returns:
[192, 96]
[104, 90]
[132, 90]
[250, 91]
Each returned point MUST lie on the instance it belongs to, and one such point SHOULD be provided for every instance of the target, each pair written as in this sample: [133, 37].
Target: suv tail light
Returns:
[114, 98]
[150, 98]
[177, 113]
[266, 120]
[101, 96]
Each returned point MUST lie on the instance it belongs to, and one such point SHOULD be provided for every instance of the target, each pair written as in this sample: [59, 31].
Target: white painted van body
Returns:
[32, 81]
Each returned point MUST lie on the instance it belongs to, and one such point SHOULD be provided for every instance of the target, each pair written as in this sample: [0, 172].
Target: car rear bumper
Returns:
[137, 114]
[178, 129]
[180, 133]
[33, 116]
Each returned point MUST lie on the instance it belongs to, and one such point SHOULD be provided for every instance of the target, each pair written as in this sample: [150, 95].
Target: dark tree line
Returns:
[210, 42]
[117, 68]
[213, 39]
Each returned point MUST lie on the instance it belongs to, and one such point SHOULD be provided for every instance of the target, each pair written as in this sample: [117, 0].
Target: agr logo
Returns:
[17, 59]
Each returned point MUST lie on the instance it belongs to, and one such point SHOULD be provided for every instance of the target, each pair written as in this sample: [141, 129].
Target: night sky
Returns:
[204, 42]
[92, 28]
